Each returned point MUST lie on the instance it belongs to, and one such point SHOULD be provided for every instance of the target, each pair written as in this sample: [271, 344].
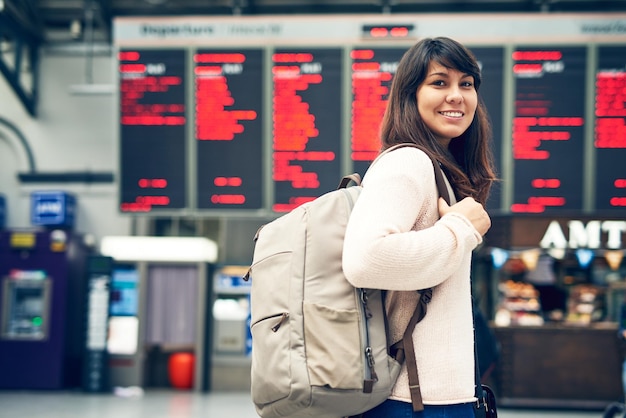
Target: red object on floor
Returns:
[180, 370]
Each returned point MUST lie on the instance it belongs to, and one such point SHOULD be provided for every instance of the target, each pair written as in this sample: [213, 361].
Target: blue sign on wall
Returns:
[52, 208]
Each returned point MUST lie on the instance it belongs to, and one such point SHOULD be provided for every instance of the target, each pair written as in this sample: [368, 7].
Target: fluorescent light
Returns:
[175, 249]
[91, 89]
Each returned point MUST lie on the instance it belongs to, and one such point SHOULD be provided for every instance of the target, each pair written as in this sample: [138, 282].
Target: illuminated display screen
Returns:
[372, 72]
[152, 130]
[124, 299]
[203, 143]
[548, 129]
[491, 62]
[228, 128]
[387, 31]
[610, 129]
[306, 124]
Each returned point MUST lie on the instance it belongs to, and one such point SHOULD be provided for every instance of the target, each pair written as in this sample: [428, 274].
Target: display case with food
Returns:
[519, 304]
[586, 304]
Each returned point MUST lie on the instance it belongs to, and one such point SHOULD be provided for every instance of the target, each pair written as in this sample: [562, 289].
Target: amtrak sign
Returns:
[562, 233]
[594, 234]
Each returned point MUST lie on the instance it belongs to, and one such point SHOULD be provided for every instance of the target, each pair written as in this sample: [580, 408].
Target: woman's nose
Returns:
[454, 96]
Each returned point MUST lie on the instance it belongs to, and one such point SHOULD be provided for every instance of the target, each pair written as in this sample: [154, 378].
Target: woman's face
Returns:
[446, 101]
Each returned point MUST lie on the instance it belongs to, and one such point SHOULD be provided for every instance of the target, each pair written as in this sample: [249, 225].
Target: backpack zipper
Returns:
[283, 317]
[366, 313]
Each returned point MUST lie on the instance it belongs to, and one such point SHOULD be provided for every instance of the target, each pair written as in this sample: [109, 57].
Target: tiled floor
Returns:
[169, 404]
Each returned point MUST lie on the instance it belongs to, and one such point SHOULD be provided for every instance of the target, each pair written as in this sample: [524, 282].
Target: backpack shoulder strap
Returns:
[409, 348]
[345, 180]
[442, 188]
[405, 349]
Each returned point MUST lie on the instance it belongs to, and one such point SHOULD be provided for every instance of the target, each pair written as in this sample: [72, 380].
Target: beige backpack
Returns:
[319, 345]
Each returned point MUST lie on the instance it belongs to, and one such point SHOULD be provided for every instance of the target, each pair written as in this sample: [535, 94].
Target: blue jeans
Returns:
[397, 409]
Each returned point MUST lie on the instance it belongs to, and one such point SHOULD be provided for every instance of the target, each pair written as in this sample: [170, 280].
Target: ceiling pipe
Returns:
[32, 168]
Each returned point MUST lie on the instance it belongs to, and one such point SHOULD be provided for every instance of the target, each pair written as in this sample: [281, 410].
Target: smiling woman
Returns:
[402, 237]
[445, 66]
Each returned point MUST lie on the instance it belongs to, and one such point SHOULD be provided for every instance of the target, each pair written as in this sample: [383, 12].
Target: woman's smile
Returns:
[447, 101]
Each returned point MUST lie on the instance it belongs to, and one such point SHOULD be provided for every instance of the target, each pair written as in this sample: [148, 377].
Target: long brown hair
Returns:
[468, 161]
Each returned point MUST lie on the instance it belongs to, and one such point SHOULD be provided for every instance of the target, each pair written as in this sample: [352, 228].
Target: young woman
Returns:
[402, 237]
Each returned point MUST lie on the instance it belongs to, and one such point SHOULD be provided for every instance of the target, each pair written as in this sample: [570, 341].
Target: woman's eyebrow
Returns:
[445, 74]
[438, 73]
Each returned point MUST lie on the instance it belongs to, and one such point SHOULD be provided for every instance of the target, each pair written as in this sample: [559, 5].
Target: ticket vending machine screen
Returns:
[26, 308]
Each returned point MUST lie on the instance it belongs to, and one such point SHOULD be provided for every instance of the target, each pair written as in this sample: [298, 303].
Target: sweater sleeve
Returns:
[395, 239]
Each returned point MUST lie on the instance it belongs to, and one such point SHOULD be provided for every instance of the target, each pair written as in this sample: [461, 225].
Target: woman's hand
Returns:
[471, 209]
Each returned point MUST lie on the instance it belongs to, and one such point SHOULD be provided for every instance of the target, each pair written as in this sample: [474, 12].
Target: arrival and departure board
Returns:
[153, 122]
[306, 124]
[610, 129]
[548, 128]
[372, 72]
[264, 128]
[229, 131]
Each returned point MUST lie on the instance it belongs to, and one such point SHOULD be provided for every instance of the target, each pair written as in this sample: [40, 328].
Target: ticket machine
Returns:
[41, 308]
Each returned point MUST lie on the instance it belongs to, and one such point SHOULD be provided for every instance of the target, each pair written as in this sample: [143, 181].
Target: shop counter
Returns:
[559, 366]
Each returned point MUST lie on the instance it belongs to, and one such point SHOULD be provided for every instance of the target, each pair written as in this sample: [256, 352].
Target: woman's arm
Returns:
[381, 249]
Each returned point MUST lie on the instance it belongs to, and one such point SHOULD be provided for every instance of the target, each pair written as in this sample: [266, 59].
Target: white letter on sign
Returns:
[614, 230]
[553, 237]
[588, 237]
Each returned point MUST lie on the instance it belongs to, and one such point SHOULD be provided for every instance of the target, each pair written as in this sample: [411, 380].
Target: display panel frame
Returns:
[548, 128]
[229, 158]
[153, 125]
[610, 130]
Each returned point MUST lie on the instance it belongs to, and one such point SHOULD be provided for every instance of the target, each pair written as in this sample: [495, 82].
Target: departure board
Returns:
[491, 62]
[371, 73]
[610, 129]
[548, 129]
[306, 124]
[266, 128]
[152, 130]
[228, 128]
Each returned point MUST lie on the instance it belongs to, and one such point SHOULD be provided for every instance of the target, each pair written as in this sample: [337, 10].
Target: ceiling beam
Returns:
[19, 51]
[104, 17]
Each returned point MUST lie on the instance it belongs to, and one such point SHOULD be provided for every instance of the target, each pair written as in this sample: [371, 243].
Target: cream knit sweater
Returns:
[396, 241]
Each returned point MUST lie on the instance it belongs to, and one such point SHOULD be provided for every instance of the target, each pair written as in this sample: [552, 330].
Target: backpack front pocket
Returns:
[271, 350]
[333, 357]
